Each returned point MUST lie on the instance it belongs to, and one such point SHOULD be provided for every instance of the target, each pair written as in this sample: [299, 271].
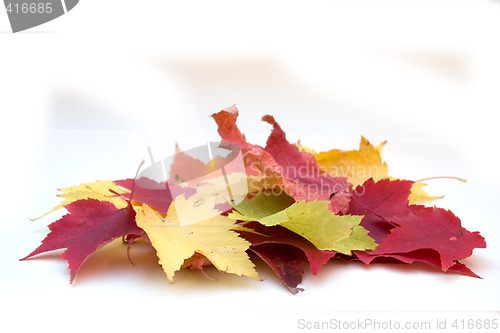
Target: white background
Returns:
[82, 97]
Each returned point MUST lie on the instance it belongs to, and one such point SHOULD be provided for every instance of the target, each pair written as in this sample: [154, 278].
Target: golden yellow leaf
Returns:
[418, 195]
[257, 184]
[357, 165]
[306, 149]
[213, 238]
[99, 190]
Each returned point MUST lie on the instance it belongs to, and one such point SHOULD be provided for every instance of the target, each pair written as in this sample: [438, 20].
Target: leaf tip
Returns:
[296, 290]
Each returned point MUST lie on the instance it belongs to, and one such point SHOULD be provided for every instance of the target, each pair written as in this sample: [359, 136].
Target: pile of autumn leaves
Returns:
[341, 205]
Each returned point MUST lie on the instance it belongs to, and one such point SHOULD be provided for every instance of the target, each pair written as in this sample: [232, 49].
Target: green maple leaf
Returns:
[358, 240]
[312, 220]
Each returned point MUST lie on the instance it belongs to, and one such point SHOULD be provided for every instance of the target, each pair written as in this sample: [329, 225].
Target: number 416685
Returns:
[30, 8]
[475, 324]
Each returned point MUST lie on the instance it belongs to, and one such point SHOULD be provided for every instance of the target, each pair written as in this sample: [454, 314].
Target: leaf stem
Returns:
[442, 177]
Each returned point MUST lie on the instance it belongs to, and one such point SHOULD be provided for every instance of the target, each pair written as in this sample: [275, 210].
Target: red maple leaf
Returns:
[285, 252]
[89, 225]
[297, 172]
[431, 228]
[308, 182]
[155, 194]
[286, 261]
[411, 232]
[378, 201]
[185, 167]
[427, 256]
[228, 130]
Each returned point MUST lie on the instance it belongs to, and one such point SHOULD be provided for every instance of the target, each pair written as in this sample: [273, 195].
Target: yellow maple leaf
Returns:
[100, 190]
[363, 164]
[357, 165]
[419, 196]
[212, 238]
